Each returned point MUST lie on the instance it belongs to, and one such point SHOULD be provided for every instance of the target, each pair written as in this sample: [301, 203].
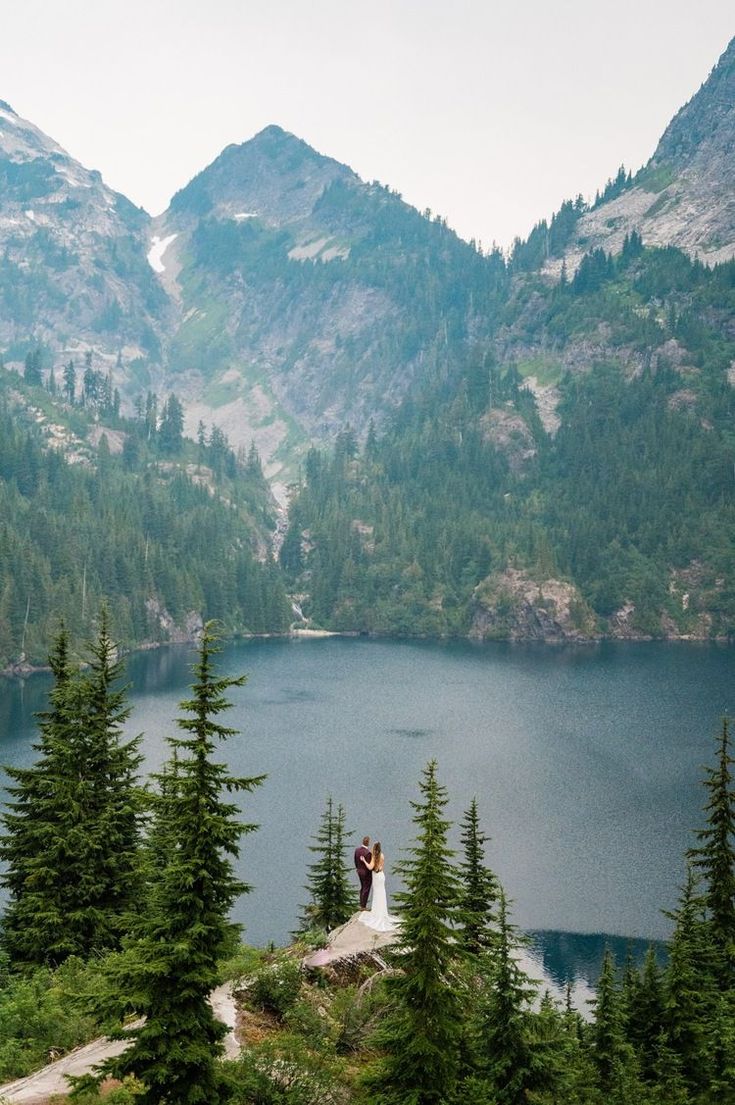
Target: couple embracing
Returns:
[370, 865]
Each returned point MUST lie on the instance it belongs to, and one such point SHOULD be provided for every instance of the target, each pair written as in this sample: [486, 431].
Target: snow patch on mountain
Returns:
[157, 250]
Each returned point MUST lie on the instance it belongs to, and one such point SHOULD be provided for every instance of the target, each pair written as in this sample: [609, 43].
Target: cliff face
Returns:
[684, 195]
[510, 605]
[73, 268]
[308, 298]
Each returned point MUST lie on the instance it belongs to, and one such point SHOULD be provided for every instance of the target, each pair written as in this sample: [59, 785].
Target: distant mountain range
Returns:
[282, 296]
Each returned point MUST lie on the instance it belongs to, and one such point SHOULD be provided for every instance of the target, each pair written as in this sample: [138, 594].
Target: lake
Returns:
[586, 761]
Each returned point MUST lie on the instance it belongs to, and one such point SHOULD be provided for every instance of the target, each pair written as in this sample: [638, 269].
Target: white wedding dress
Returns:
[379, 918]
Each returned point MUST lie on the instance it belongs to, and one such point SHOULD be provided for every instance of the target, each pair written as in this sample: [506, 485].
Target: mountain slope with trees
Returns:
[626, 497]
[94, 507]
[680, 197]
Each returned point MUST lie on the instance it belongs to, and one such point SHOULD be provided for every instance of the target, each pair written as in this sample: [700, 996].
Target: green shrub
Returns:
[275, 988]
[39, 1019]
[285, 1072]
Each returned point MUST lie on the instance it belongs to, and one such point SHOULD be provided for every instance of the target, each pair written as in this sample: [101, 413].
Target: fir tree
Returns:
[32, 368]
[31, 824]
[645, 1016]
[421, 1033]
[715, 857]
[688, 988]
[121, 802]
[612, 1055]
[332, 897]
[512, 1064]
[70, 381]
[479, 887]
[72, 829]
[171, 968]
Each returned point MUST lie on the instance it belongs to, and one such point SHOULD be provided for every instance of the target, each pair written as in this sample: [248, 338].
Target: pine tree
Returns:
[72, 829]
[70, 381]
[512, 1064]
[612, 1055]
[479, 886]
[121, 803]
[32, 368]
[645, 1016]
[688, 987]
[30, 921]
[169, 971]
[332, 897]
[421, 1033]
[715, 857]
[171, 428]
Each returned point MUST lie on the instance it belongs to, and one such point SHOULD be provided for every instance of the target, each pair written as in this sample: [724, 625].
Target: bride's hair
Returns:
[377, 852]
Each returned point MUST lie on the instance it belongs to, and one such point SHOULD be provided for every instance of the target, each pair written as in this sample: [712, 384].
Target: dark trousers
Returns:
[366, 881]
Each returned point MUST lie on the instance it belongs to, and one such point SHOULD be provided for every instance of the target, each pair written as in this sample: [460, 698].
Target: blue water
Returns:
[586, 761]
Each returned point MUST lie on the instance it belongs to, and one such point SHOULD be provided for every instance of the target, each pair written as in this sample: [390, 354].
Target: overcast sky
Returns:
[490, 112]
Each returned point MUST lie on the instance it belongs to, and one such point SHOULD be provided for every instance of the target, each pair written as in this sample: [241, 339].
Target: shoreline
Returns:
[25, 670]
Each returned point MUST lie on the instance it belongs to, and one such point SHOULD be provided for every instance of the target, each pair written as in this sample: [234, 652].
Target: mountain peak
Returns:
[274, 175]
[273, 133]
[274, 142]
[4, 106]
[706, 124]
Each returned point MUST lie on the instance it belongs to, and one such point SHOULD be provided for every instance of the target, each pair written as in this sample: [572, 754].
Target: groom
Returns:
[363, 873]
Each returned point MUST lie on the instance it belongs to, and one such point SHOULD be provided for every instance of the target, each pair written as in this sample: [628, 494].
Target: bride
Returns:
[378, 918]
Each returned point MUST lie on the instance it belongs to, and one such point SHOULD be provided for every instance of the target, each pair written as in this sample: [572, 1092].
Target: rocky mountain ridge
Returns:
[281, 296]
[683, 196]
[73, 270]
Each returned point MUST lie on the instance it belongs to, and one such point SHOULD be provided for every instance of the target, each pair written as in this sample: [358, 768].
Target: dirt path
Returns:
[36, 1089]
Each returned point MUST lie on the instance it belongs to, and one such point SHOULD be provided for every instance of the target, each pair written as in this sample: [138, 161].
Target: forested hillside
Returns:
[620, 503]
[97, 508]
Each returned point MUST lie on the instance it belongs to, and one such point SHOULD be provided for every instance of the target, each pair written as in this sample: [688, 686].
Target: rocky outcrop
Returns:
[507, 431]
[511, 605]
[168, 629]
[73, 268]
[683, 197]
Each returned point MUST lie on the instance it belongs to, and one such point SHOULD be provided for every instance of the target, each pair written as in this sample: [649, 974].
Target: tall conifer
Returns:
[422, 1030]
[613, 1056]
[513, 1063]
[645, 1016]
[169, 972]
[479, 886]
[688, 990]
[72, 826]
[715, 857]
[332, 896]
[31, 922]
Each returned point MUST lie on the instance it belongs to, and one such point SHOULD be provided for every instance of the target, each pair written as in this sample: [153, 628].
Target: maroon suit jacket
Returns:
[362, 870]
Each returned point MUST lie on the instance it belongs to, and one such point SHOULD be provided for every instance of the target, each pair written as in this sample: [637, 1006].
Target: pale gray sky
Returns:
[490, 113]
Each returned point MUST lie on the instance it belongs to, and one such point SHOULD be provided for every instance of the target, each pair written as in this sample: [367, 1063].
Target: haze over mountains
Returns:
[281, 295]
[551, 451]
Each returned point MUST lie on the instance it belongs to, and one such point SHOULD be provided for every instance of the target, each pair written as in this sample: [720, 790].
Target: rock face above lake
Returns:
[510, 605]
[683, 196]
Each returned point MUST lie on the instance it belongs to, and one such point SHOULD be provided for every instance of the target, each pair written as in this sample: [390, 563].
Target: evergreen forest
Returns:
[164, 530]
[629, 497]
[119, 894]
[587, 445]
